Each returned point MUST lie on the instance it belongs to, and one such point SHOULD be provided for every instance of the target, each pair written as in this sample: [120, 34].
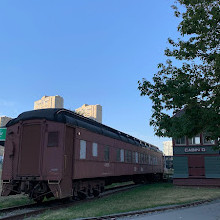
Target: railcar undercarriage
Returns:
[38, 190]
[81, 189]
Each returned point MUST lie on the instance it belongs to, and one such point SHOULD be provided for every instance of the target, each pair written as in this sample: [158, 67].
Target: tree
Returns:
[192, 87]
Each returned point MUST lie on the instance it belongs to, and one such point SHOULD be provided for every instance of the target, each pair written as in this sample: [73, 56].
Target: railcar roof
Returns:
[72, 118]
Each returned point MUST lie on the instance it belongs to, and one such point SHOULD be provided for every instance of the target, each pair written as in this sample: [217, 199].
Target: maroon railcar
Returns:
[58, 153]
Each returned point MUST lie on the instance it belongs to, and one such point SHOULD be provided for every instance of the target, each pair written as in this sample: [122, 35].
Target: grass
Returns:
[143, 197]
[10, 201]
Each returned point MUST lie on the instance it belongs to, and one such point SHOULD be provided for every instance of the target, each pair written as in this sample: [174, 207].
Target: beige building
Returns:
[91, 111]
[168, 148]
[49, 102]
[4, 120]
[1, 150]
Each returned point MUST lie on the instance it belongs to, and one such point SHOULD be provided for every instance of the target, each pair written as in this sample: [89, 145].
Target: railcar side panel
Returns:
[94, 167]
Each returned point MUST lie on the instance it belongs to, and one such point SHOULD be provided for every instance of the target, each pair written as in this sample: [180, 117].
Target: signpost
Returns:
[2, 134]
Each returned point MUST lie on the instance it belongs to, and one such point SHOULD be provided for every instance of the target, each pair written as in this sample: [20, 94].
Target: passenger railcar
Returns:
[58, 153]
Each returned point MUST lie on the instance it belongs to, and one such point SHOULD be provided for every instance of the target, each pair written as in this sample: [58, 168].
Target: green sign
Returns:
[195, 150]
[2, 134]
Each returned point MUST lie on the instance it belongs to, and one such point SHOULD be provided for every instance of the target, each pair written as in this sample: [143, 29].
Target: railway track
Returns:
[24, 211]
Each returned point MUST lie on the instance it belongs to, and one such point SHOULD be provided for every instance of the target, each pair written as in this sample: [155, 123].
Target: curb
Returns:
[146, 211]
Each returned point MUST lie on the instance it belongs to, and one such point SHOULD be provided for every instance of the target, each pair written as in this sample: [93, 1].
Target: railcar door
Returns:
[29, 160]
[53, 151]
[58, 158]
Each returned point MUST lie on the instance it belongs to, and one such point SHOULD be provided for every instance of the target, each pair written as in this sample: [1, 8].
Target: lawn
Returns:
[143, 197]
[12, 200]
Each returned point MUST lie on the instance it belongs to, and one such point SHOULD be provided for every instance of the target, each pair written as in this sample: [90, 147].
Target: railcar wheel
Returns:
[39, 199]
[81, 195]
[96, 192]
[37, 194]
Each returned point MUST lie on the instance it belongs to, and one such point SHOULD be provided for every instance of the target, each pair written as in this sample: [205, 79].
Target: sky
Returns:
[88, 52]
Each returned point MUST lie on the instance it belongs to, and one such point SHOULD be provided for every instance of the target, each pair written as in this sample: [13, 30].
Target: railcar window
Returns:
[146, 159]
[136, 155]
[142, 158]
[154, 161]
[149, 159]
[129, 156]
[139, 158]
[53, 139]
[126, 156]
[118, 156]
[122, 157]
[82, 149]
[106, 153]
[133, 157]
[94, 149]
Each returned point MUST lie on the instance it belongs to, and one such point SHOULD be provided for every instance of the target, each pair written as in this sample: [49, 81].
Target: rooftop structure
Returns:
[4, 120]
[91, 111]
[168, 148]
[49, 102]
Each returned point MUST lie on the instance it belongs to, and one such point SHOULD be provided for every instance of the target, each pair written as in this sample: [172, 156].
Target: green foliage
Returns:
[191, 89]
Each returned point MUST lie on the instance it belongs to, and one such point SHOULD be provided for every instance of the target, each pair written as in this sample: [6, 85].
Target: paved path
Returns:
[209, 211]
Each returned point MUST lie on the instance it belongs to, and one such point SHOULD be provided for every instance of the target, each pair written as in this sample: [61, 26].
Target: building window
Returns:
[122, 156]
[106, 153]
[82, 149]
[53, 139]
[194, 140]
[206, 139]
[94, 149]
[180, 141]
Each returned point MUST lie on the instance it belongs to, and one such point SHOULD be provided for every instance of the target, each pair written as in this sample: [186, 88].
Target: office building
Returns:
[4, 120]
[1, 150]
[91, 111]
[49, 102]
[168, 148]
